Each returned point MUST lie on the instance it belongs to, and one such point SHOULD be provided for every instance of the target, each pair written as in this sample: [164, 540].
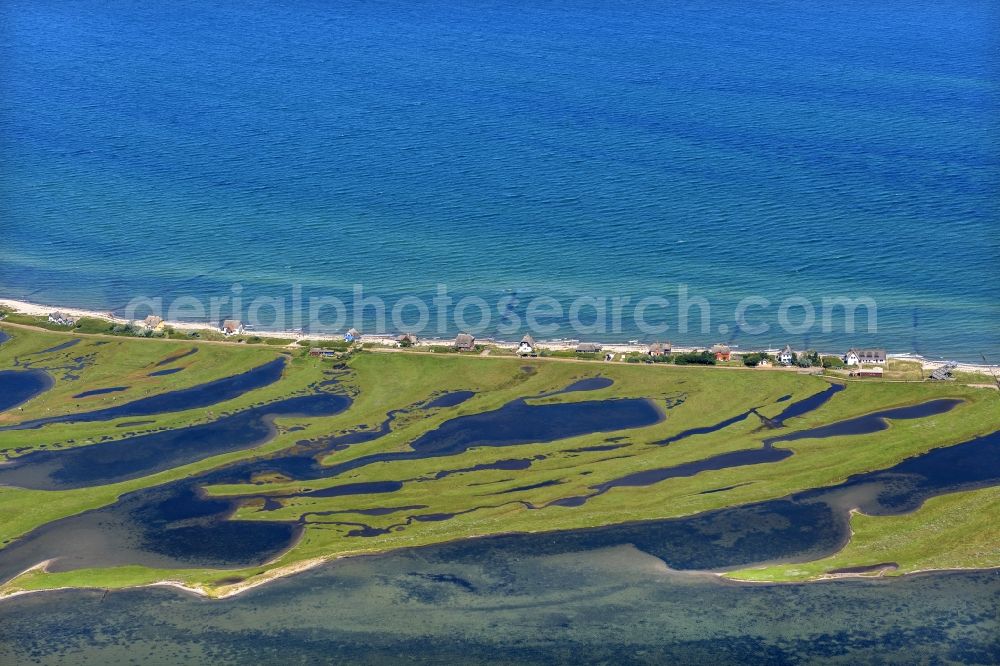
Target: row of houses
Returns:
[786, 356]
[528, 347]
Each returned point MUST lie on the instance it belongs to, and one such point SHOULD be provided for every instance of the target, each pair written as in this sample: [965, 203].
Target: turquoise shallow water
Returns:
[512, 148]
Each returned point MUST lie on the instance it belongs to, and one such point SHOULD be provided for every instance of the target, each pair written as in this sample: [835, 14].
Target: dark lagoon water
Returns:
[459, 133]
[798, 408]
[171, 525]
[19, 386]
[202, 395]
[767, 453]
[110, 389]
[874, 422]
[176, 357]
[808, 404]
[60, 347]
[519, 422]
[168, 371]
[132, 457]
[452, 399]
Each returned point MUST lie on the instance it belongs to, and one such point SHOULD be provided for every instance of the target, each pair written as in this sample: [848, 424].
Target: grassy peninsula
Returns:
[947, 532]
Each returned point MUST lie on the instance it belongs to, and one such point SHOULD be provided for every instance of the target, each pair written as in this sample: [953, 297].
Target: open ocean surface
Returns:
[511, 148]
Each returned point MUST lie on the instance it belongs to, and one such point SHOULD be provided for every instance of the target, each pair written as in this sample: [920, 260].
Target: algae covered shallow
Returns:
[688, 464]
[477, 602]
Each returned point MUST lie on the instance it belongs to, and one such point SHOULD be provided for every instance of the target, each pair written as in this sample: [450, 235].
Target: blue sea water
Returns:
[517, 149]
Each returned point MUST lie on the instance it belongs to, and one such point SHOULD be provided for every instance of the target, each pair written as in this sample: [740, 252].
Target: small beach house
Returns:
[786, 356]
[526, 346]
[231, 327]
[153, 323]
[856, 356]
[61, 318]
[660, 349]
[352, 335]
[722, 352]
[465, 342]
[588, 348]
[406, 340]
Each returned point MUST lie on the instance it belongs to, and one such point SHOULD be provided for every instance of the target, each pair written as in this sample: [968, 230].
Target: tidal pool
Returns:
[452, 399]
[518, 422]
[19, 386]
[59, 347]
[809, 404]
[801, 527]
[861, 425]
[163, 373]
[176, 357]
[798, 408]
[102, 391]
[129, 458]
[202, 395]
[874, 422]
[171, 526]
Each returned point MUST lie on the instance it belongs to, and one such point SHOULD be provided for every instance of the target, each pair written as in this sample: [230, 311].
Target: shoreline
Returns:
[231, 591]
[389, 340]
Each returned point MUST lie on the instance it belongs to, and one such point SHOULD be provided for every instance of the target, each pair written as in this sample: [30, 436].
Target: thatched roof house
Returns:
[660, 348]
[406, 340]
[153, 323]
[722, 352]
[465, 342]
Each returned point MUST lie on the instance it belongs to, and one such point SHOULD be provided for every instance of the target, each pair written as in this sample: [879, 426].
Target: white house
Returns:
[856, 356]
[231, 327]
[526, 347]
[352, 335]
[786, 355]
